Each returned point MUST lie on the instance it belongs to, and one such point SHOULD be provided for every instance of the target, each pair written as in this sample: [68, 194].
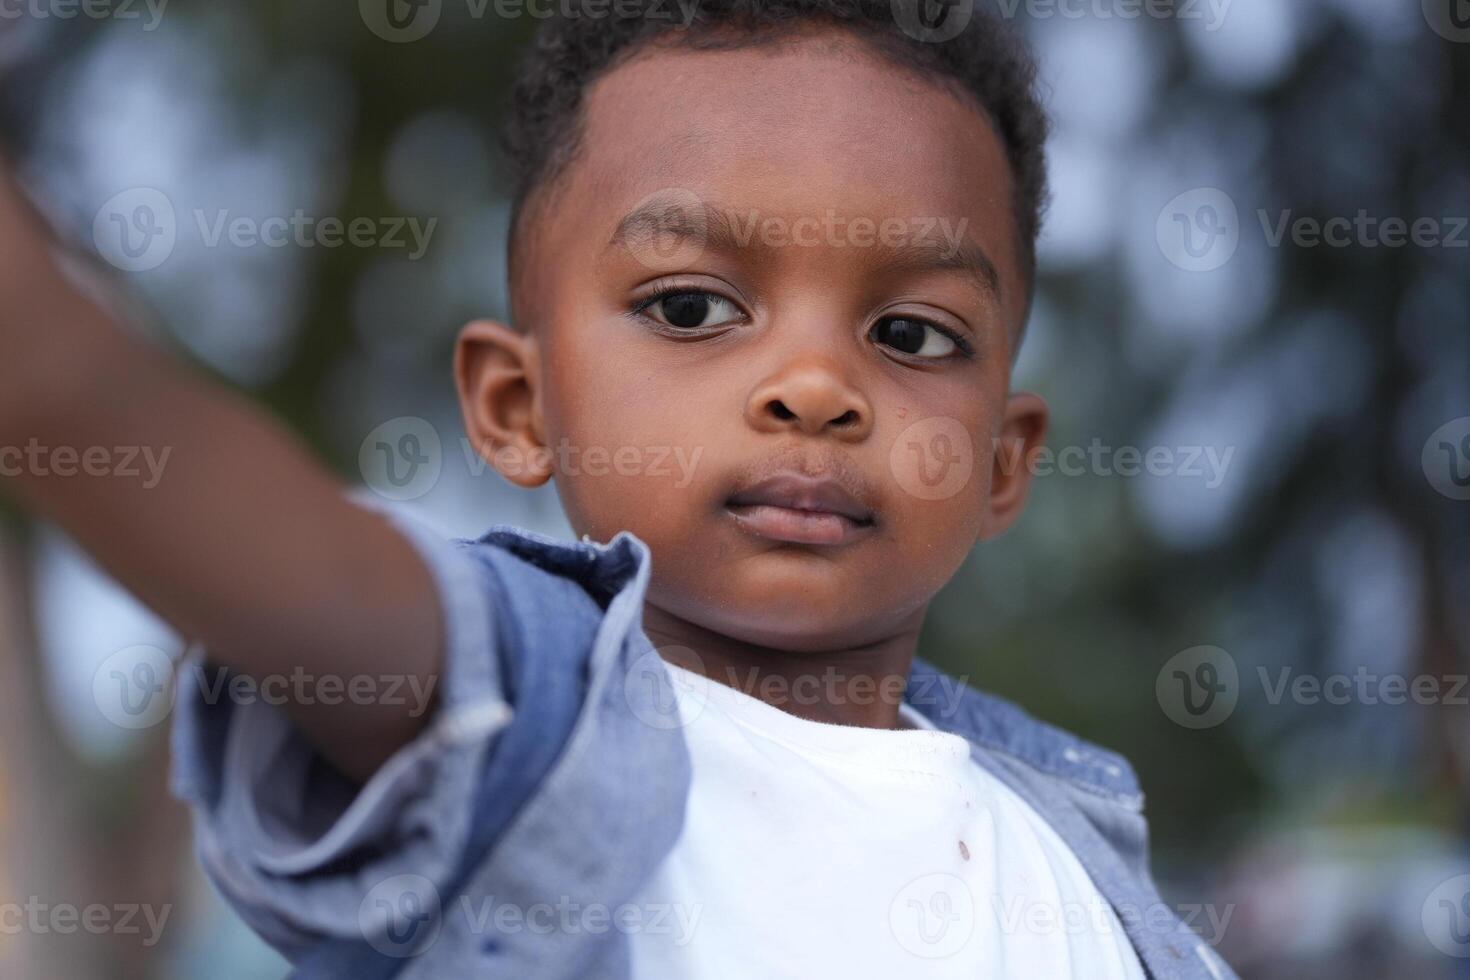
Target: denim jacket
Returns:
[548, 780]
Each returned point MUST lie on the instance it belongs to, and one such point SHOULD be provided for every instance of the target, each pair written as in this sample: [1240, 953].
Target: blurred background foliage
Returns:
[1319, 829]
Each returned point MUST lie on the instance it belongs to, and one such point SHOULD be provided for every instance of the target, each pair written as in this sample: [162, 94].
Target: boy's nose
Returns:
[813, 398]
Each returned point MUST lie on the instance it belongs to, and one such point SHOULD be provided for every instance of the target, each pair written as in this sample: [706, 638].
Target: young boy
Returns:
[794, 242]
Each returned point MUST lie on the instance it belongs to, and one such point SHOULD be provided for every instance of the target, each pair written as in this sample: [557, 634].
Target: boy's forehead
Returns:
[806, 128]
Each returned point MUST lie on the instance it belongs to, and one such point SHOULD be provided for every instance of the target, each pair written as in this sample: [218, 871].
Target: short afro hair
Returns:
[986, 61]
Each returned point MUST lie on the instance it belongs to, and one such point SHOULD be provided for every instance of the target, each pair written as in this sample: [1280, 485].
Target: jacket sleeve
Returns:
[301, 852]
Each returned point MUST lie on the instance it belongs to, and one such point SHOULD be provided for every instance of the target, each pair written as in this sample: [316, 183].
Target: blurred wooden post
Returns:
[72, 833]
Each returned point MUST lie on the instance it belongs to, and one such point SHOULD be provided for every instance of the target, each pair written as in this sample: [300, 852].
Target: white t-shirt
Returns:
[812, 850]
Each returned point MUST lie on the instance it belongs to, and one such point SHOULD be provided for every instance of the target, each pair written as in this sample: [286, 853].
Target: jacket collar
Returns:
[996, 724]
[950, 705]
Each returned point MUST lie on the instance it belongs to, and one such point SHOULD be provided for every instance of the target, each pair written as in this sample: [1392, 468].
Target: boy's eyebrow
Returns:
[711, 228]
[669, 220]
[965, 255]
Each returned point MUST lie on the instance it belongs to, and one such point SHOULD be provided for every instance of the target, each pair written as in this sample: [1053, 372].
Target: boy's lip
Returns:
[801, 509]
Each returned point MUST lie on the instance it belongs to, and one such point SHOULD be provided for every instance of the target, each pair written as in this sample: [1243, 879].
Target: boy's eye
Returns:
[913, 337]
[692, 310]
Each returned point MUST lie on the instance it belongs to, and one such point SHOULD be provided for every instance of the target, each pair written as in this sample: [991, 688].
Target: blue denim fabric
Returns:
[547, 777]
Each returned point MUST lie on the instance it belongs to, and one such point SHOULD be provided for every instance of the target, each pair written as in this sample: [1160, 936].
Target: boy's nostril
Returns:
[848, 417]
[779, 409]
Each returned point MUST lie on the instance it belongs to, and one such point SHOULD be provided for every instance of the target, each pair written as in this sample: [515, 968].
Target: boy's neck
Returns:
[860, 685]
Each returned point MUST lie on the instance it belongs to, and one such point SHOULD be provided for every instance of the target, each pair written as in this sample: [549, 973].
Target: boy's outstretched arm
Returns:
[244, 543]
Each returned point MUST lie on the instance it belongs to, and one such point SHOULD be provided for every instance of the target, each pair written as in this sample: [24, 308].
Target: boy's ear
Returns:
[497, 371]
[1022, 433]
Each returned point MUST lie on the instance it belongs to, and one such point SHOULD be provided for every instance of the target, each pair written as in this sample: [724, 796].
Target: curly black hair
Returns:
[985, 60]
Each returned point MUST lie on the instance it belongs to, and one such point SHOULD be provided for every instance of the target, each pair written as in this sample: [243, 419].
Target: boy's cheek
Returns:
[651, 490]
[938, 463]
[932, 538]
[938, 495]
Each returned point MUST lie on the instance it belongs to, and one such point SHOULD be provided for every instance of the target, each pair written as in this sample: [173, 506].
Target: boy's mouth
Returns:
[800, 509]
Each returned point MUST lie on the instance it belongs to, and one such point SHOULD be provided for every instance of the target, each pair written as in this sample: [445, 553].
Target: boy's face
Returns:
[768, 318]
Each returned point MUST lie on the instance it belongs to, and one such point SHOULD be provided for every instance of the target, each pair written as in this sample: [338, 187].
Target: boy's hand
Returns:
[239, 539]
